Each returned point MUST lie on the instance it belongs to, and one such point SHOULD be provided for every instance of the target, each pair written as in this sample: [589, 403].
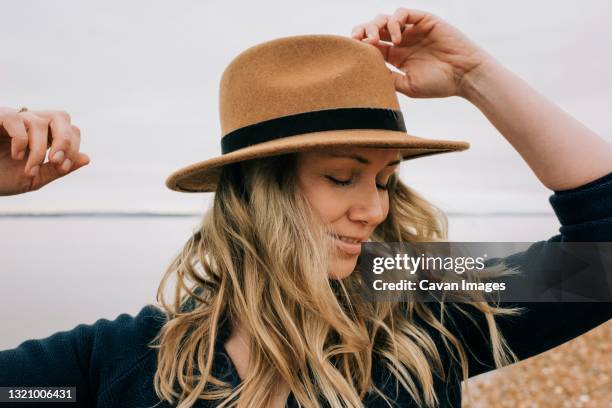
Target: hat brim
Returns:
[202, 176]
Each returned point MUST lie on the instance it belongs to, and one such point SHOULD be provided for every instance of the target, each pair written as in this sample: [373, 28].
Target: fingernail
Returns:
[58, 156]
[20, 155]
[34, 170]
[66, 165]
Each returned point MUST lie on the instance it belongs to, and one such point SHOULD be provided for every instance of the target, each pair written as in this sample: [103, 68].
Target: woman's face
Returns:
[347, 189]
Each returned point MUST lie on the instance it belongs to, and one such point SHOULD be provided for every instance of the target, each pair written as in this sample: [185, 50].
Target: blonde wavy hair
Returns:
[257, 256]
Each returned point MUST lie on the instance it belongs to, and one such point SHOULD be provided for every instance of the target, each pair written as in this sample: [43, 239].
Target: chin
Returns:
[342, 268]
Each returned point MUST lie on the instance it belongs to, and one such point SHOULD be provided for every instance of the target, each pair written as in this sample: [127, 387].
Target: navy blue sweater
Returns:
[110, 364]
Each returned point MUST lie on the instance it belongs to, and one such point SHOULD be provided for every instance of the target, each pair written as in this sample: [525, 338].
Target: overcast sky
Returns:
[140, 78]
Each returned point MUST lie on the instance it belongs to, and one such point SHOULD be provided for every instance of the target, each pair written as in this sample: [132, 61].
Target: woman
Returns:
[255, 321]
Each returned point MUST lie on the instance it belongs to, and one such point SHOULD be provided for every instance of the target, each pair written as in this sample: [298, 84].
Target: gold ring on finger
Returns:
[22, 109]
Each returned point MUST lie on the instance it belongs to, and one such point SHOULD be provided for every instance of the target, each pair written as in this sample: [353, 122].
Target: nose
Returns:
[368, 206]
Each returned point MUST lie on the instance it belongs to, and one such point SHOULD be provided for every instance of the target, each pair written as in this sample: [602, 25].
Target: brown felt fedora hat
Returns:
[306, 92]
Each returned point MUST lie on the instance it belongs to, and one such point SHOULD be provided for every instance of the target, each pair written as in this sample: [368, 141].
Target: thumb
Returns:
[401, 82]
[50, 171]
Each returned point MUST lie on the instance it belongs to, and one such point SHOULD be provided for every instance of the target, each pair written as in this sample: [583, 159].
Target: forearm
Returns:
[561, 151]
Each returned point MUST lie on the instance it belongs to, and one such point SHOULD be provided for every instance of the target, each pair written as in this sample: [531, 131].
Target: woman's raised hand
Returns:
[25, 137]
[434, 56]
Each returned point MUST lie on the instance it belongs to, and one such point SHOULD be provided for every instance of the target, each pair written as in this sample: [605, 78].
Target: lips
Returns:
[348, 244]
[350, 237]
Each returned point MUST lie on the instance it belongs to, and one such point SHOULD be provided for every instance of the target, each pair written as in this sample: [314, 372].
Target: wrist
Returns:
[474, 82]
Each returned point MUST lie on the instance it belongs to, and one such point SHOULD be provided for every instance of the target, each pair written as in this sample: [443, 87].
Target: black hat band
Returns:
[316, 121]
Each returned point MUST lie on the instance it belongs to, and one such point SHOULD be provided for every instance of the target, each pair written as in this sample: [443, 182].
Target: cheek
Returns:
[329, 208]
[325, 201]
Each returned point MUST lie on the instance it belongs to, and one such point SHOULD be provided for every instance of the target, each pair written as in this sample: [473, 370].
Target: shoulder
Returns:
[120, 347]
[127, 333]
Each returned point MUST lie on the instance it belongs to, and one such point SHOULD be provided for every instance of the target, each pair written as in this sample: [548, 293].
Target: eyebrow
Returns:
[360, 159]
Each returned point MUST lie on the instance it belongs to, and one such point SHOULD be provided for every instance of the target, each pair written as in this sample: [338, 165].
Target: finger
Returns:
[16, 130]
[398, 80]
[73, 153]
[67, 159]
[76, 137]
[50, 171]
[37, 144]
[82, 160]
[62, 152]
[409, 16]
[372, 35]
[372, 29]
[37, 133]
[358, 32]
[391, 53]
[395, 30]
[401, 83]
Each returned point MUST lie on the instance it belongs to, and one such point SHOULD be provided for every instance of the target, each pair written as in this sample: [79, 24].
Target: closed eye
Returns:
[349, 182]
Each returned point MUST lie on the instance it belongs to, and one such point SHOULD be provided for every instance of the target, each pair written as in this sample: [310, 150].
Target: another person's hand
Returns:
[24, 140]
[434, 56]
